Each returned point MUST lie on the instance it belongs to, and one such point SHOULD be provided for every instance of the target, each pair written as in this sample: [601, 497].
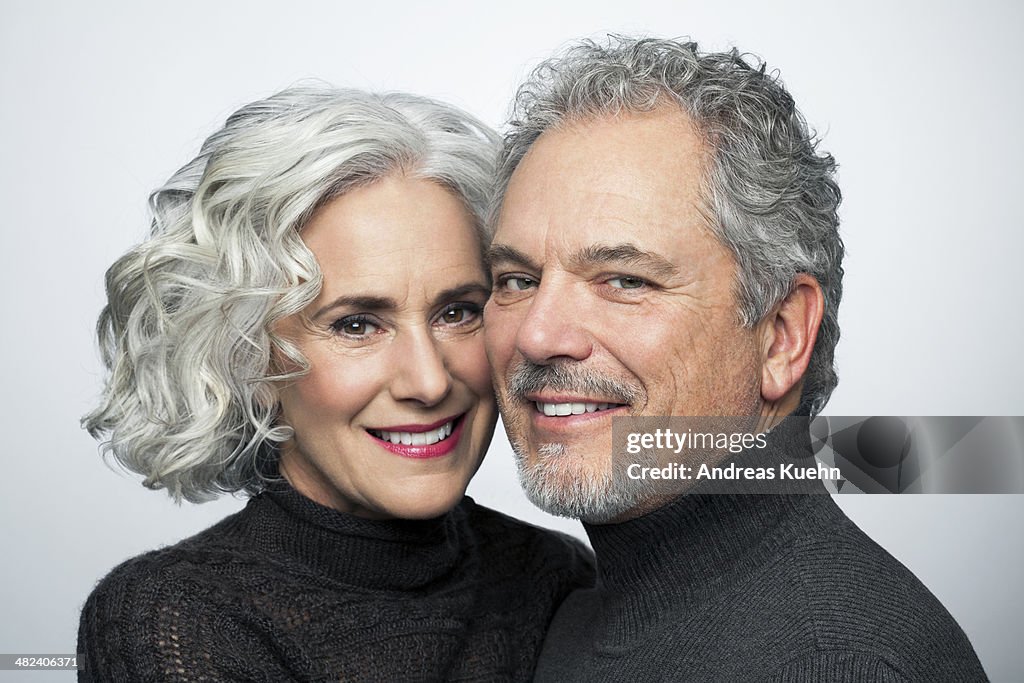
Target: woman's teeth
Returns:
[415, 438]
[552, 409]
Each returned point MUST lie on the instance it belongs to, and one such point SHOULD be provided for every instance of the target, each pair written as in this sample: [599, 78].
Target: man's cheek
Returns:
[497, 337]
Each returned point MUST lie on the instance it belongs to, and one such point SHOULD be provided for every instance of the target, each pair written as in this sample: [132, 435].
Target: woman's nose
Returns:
[420, 370]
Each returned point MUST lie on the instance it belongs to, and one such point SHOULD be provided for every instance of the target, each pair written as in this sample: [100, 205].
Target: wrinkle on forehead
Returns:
[635, 174]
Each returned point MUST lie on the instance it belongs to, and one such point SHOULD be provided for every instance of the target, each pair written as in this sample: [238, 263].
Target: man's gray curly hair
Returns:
[770, 196]
[187, 334]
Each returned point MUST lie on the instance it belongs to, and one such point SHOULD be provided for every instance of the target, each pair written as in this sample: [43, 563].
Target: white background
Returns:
[921, 103]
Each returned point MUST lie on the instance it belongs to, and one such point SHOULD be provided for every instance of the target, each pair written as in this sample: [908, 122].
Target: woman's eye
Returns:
[354, 326]
[517, 283]
[626, 282]
[459, 314]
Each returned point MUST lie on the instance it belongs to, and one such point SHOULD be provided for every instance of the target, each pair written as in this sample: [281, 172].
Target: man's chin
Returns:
[560, 505]
[575, 492]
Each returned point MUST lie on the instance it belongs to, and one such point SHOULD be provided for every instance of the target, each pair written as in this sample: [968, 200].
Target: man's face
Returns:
[611, 297]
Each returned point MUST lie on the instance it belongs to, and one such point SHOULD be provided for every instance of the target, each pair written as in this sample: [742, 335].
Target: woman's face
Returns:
[397, 409]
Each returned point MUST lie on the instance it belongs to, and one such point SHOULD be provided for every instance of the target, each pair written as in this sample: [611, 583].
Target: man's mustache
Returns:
[571, 378]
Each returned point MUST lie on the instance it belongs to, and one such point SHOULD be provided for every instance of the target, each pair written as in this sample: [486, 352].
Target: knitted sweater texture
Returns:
[751, 588]
[289, 590]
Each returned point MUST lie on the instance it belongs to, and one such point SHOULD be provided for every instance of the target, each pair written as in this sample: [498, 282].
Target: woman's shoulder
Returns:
[140, 587]
[154, 618]
[169, 610]
[153, 572]
[186, 558]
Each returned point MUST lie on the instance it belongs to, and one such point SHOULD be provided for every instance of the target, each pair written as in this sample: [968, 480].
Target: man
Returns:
[666, 244]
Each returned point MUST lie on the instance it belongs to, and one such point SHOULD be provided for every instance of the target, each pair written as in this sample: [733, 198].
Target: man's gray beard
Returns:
[593, 497]
[552, 484]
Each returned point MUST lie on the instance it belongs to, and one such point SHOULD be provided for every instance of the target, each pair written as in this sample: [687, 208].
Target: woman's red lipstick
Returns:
[418, 436]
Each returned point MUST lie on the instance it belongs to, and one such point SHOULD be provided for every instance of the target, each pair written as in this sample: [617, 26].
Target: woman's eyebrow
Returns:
[364, 302]
[454, 293]
[369, 302]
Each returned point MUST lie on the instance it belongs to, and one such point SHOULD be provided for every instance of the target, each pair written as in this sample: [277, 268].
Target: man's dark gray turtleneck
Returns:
[751, 587]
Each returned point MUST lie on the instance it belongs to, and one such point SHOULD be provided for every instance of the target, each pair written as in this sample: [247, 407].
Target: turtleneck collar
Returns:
[392, 554]
[696, 545]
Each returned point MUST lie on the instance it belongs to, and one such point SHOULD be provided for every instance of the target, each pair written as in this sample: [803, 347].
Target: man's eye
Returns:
[354, 326]
[626, 282]
[459, 314]
[517, 283]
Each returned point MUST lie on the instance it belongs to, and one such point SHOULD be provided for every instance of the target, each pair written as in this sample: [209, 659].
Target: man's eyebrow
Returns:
[503, 253]
[624, 253]
[362, 302]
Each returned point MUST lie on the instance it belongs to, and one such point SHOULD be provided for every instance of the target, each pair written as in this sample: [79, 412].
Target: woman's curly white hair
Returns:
[188, 331]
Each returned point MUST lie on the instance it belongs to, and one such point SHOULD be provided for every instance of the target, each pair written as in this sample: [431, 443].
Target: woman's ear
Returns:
[788, 335]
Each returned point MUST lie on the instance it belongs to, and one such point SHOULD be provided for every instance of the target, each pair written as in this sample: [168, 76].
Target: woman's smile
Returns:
[432, 440]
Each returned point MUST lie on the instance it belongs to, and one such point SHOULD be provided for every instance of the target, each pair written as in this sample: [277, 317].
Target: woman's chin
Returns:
[431, 504]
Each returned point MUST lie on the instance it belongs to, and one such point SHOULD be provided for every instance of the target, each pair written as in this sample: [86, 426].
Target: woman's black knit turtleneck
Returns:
[289, 590]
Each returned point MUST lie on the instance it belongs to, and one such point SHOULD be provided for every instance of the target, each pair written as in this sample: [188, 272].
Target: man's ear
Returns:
[788, 335]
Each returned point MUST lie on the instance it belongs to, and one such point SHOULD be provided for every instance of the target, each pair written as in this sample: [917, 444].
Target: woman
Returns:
[304, 325]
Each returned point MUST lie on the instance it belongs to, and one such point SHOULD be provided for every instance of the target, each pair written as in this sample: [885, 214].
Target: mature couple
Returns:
[307, 324]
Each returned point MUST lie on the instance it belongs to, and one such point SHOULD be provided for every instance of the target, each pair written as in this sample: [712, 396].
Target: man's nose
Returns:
[554, 328]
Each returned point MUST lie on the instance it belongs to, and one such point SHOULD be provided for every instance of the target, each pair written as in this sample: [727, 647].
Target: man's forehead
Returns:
[633, 179]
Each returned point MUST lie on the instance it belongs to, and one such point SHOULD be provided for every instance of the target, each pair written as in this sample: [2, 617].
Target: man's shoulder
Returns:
[845, 574]
[863, 602]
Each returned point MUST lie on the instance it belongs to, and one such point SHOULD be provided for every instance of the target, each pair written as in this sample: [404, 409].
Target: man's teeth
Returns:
[415, 438]
[552, 409]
